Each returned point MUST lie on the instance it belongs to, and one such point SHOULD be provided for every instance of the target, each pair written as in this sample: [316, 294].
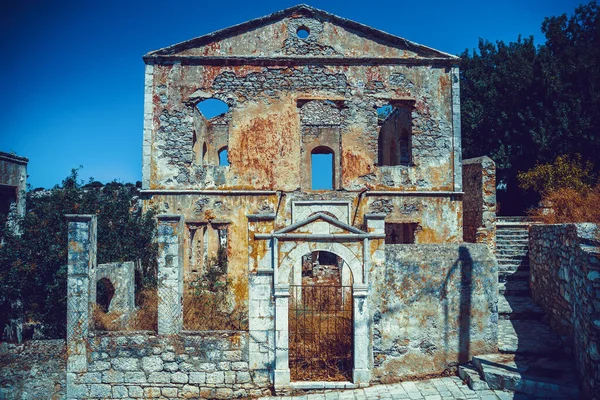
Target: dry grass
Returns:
[320, 336]
[205, 310]
[144, 318]
[569, 205]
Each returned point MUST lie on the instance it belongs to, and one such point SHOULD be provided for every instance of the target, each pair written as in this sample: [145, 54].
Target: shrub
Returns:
[567, 172]
[567, 205]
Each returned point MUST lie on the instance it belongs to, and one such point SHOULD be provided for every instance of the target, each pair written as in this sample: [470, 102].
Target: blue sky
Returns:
[72, 72]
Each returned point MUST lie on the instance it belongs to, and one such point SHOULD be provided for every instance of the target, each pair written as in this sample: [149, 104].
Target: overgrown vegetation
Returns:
[207, 301]
[33, 264]
[567, 190]
[523, 104]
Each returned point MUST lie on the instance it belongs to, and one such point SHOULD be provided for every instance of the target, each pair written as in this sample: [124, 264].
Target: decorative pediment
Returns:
[298, 32]
[320, 223]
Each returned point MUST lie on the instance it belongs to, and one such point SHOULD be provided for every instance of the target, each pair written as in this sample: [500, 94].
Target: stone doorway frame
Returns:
[354, 248]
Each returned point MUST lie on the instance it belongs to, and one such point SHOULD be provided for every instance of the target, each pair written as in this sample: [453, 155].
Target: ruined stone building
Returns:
[13, 182]
[355, 264]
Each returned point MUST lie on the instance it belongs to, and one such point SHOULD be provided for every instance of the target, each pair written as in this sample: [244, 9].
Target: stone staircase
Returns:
[531, 357]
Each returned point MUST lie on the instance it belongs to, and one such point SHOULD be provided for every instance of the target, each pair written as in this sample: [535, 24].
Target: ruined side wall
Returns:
[565, 281]
[264, 129]
[433, 306]
[479, 201]
[33, 370]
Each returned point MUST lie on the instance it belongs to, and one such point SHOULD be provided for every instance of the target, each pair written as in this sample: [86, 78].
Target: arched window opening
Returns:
[223, 157]
[211, 129]
[211, 108]
[104, 293]
[322, 168]
[395, 127]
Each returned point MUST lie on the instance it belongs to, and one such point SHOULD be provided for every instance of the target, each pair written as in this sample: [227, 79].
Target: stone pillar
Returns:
[282, 364]
[361, 374]
[261, 321]
[170, 274]
[81, 285]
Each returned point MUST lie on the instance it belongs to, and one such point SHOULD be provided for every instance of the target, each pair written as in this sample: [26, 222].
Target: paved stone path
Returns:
[431, 389]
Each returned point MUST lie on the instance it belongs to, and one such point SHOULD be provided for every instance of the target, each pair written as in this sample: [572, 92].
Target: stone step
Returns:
[504, 253]
[506, 257]
[518, 307]
[511, 268]
[520, 275]
[511, 231]
[527, 337]
[469, 374]
[517, 288]
[539, 377]
[513, 261]
[512, 245]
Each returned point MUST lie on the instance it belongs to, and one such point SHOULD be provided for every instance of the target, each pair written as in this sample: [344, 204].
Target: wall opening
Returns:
[211, 108]
[322, 168]
[400, 233]
[224, 157]
[395, 134]
[320, 320]
[303, 32]
[208, 298]
[211, 131]
[104, 293]
[8, 196]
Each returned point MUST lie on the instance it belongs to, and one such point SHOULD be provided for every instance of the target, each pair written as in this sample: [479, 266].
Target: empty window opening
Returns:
[395, 127]
[303, 32]
[104, 293]
[212, 107]
[223, 157]
[8, 197]
[204, 150]
[400, 233]
[322, 168]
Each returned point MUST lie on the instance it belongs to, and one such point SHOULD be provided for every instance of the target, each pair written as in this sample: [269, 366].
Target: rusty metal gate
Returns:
[320, 332]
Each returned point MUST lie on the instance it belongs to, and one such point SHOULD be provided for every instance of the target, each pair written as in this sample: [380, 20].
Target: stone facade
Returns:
[433, 306]
[479, 203]
[565, 282]
[387, 112]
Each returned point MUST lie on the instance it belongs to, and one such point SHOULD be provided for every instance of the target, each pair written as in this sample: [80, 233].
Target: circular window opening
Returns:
[303, 32]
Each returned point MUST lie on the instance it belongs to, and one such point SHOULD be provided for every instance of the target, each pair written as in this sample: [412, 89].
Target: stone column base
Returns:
[361, 377]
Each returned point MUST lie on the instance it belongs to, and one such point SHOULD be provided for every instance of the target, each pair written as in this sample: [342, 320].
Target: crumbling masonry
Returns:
[238, 191]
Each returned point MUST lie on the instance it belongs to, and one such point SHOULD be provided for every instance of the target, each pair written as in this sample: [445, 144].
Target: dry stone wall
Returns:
[565, 281]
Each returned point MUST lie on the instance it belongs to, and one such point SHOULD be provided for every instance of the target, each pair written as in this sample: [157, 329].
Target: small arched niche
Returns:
[105, 291]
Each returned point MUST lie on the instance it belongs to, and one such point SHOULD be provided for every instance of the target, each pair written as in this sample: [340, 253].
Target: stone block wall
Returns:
[565, 282]
[479, 201]
[188, 365]
[433, 306]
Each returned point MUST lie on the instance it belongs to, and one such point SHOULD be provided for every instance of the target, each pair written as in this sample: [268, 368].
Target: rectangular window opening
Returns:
[400, 233]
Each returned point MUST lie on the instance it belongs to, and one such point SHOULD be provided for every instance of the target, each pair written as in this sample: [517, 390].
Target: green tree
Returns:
[523, 105]
[33, 264]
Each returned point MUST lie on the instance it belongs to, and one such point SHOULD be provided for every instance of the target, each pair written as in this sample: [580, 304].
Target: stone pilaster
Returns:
[81, 286]
[170, 274]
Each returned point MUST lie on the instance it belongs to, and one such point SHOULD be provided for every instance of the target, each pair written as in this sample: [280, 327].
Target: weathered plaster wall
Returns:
[433, 307]
[264, 132]
[121, 276]
[565, 281]
[479, 201]
[33, 370]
